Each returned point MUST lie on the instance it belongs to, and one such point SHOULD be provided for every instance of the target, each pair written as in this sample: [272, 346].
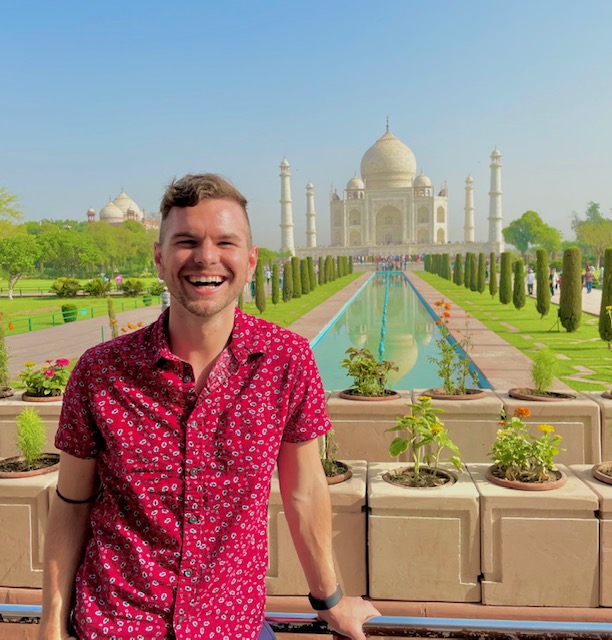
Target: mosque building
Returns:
[120, 209]
[390, 209]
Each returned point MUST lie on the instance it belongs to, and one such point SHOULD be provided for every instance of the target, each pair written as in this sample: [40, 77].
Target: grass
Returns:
[584, 360]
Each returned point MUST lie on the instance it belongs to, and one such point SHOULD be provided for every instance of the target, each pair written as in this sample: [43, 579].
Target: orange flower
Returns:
[446, 314]
[522, 412]
[11, 326]
[438, 323]
[113, 321]
[439, 303]
[447, 306]
[140, 324]
[124, 329]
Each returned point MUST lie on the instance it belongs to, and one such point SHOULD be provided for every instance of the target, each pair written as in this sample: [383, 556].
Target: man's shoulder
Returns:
[117, 349]
[270, 336]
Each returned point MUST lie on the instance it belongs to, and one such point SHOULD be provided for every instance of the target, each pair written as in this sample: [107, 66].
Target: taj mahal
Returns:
[390, 209]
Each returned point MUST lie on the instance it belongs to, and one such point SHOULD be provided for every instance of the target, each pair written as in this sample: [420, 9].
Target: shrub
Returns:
[275, 284]
[69, 312]
[570, 300]
[518, 293]
[473, 273]
[505, 278]
[31, 435]
[157, 288]
[297, 277]
[542, 286]
[322, 279]
[369, 375]
[446, 267]
[287, 281]
[97, 287]
[492, 274]
[311, 273]
[605, 310]
[304, 277]
[66, 287]
[466, 271]
[482, 273]
[132, 287]
[147, 300]
[543, 370]
[458, 270]
[260, 289]
[350, 265]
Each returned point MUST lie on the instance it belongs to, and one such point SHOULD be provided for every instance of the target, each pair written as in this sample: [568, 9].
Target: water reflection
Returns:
[409, 339]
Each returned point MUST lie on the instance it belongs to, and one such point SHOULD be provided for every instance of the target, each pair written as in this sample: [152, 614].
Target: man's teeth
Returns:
[200, 280]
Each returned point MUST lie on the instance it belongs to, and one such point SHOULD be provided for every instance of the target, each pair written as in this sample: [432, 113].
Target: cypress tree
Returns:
[446, 266]
[473, 273]
[312, 278]
[570, 300]
[466, 271]
[275, 284]
[505, 278]
[542, 286]
[518, 292]
[492, 275]
[287, 281]
[605, 322]
[329, 269]
[260, 289]
[297, 277]
[427, 263]
[482, 276]
[304, 277]
[334, 270]
[350, 265]
[321, 271]
[339, 273]
[458, 270]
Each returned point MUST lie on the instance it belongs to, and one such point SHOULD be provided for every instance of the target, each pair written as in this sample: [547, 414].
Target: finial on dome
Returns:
[387, 124]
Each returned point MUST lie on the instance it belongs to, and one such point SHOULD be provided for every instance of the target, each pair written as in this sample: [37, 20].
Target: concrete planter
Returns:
[424, 544]
[578, 421]
[285, 576]
[539, 548]
[24, 508]
[10, 408]
[605, 408]
[604, 495]
[359, 427]
[472, 424]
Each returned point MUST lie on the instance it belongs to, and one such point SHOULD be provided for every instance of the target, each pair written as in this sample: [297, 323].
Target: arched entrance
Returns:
[389, 226]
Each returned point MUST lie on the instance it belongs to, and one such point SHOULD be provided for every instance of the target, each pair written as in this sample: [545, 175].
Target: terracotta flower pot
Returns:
[441, 478]
[525, 393]
[389, 395]
[560, 480]
[607, 395]
[6, 392]
[440, 394]
[26, 397]
[49, 463]
[603, 471]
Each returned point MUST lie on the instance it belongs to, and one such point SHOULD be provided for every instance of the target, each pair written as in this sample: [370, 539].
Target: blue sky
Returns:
[99, 96]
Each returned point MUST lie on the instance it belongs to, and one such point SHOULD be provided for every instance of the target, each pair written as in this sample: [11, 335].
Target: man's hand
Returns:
[347, 617]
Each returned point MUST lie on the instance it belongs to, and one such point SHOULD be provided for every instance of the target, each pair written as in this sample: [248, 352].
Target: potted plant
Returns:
[31, 439]
[47, 382]
[369, 376]
[424, 436]
[452, 363]
[5, 389]
[543, 372]
[522, 460]
[335, 471]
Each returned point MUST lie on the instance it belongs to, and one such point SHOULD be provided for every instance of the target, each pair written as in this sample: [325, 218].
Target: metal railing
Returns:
[402, 627]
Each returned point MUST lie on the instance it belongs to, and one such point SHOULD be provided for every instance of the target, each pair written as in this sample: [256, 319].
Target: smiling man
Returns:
[169, 438]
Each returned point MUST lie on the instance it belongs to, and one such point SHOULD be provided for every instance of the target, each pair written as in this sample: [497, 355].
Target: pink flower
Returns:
[49, 373]
[62, 362]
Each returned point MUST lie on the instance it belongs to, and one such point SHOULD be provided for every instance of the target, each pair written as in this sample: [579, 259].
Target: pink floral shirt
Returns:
[179, 535]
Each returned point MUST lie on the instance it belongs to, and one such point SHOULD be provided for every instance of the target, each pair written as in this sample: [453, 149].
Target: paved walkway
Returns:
[502, 364]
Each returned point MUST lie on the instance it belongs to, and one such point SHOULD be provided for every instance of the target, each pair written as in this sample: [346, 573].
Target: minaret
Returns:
[286, 211]
[311, 231]
[468, 227]
[495, 200]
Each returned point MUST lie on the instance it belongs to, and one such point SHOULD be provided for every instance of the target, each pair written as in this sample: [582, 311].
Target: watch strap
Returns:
[326, 603]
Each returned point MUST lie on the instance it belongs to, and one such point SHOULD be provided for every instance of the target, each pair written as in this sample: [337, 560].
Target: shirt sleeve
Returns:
[77, 433]
[307, 415]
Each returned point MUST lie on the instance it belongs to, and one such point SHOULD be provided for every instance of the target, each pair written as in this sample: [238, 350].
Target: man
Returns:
[169, 437]
[530, 281]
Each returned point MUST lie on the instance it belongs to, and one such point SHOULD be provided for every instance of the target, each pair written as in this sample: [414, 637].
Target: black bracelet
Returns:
[326, 603]
[70, 501]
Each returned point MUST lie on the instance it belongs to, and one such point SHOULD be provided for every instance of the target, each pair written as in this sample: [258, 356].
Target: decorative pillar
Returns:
[495, 201]
[286, 225]
[311, 232]
[468, 227]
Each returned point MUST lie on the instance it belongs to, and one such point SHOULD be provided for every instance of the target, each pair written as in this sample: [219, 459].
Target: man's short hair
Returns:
[193, 188]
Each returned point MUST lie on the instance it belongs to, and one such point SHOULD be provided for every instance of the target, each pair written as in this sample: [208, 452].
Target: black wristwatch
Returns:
[326, 603]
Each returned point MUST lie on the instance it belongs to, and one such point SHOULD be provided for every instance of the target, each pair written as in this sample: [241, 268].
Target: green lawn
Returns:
[584, 360]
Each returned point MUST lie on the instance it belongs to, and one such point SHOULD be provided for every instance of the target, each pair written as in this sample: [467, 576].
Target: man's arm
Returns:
[67, 533]
[308, 509]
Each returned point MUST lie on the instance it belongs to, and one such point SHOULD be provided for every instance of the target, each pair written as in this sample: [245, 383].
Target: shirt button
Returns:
[194, 519]
[194, 423]
[194, 472]
[187, 572]
[187, 379]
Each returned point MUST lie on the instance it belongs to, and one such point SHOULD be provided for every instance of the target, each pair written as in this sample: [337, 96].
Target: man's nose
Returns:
[206, 253]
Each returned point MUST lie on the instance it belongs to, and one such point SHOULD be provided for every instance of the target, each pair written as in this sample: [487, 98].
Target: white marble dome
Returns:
[388, 164]
[111, 213]
[422, 180]
[125, 204]
[355, 183]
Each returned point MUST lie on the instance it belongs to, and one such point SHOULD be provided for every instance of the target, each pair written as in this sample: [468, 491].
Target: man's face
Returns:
[205, 255]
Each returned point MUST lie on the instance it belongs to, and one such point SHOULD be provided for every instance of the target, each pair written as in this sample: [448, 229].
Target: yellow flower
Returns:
[609, 307]
[546, 428]
[29, 363]
[423, 398]
[437, 429]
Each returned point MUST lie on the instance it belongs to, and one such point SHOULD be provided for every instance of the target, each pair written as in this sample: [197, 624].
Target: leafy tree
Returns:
[132, 287]
[458, 270]
[18, 256]
[570, 300]
[260, 287]
[549, 238]
[542, 286]
[518, 293]
[287, 281]
[529, 230]
[97, 287]
[605, 312]
[482, 275]
[267, 256]
[505, 278]
[297, 277]
[275, 284]
[66, 287]
[596, 236]
[9, 205]
[492, 274]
